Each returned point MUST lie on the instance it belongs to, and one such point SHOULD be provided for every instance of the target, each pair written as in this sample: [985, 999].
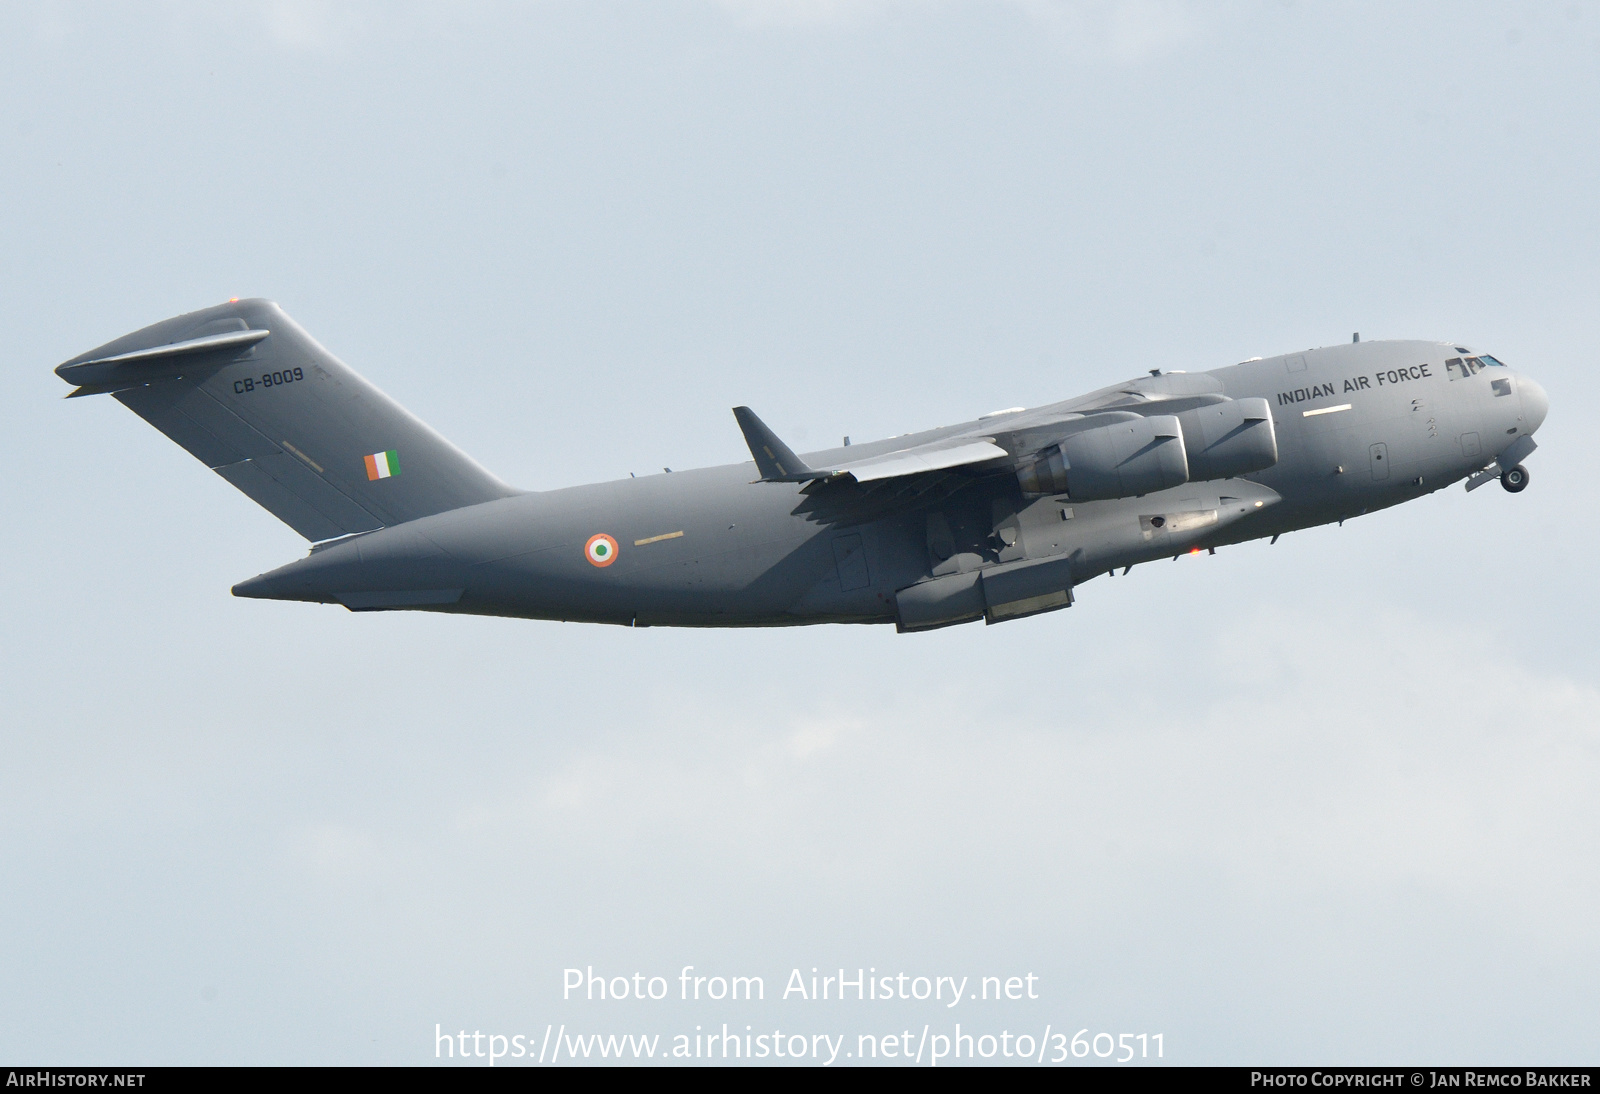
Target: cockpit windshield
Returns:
[1459, 368]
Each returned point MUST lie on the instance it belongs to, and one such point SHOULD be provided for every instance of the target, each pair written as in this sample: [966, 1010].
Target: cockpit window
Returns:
[1459, 368]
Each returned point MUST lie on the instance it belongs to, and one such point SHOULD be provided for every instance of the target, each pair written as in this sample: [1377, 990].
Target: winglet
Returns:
[775, 460]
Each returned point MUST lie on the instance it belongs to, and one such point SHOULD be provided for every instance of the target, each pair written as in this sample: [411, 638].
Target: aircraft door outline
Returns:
[850, 558]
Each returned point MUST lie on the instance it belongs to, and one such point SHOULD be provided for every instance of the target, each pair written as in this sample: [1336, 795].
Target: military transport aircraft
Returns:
[992, 519]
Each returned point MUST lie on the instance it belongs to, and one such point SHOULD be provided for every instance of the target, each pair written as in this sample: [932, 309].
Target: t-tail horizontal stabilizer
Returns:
[245, 390]
[143, 366]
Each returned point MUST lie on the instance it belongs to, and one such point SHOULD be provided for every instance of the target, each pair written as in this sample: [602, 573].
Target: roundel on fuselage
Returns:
[601, 549]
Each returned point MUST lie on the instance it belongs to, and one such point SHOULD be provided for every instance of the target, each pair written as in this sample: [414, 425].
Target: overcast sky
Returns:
[1332, 800]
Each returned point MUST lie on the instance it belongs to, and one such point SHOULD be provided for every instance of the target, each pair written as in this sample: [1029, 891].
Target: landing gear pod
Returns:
[942, 602]
[995, 594]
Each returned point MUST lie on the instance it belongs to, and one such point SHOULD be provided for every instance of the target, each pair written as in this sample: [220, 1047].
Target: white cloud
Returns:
[1126, 31]
[307, 26]
[1123, 31]
[1329, 767]
[803, 13]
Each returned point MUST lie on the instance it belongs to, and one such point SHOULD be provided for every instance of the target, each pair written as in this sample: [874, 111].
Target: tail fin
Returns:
[244, 389]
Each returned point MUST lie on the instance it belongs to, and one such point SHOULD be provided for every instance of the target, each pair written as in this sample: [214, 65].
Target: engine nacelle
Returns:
[1231, 438]
[1121, 460]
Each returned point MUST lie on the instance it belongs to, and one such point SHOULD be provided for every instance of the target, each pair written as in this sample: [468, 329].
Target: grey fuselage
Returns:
[1359, 427]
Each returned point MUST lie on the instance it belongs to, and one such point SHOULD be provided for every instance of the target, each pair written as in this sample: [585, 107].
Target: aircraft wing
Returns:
[1006, 434]
[937, 456]
[777, 462]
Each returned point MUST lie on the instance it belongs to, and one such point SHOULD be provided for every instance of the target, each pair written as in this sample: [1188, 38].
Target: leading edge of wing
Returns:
[936, 456]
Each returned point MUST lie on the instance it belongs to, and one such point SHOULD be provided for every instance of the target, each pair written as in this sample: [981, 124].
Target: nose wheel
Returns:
[1515, 480]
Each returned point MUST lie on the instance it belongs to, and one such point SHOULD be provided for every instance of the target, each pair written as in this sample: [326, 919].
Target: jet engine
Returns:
[1140, 456]
[1122, 460]
[1227, 439]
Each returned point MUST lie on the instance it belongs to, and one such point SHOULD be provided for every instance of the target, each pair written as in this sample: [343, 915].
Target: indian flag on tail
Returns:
[383, 465]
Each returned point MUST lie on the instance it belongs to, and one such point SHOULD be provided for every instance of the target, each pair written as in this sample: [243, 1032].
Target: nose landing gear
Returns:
[1515, 479]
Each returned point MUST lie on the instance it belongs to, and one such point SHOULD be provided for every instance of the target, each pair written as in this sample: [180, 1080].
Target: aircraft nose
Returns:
[1535, 403]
